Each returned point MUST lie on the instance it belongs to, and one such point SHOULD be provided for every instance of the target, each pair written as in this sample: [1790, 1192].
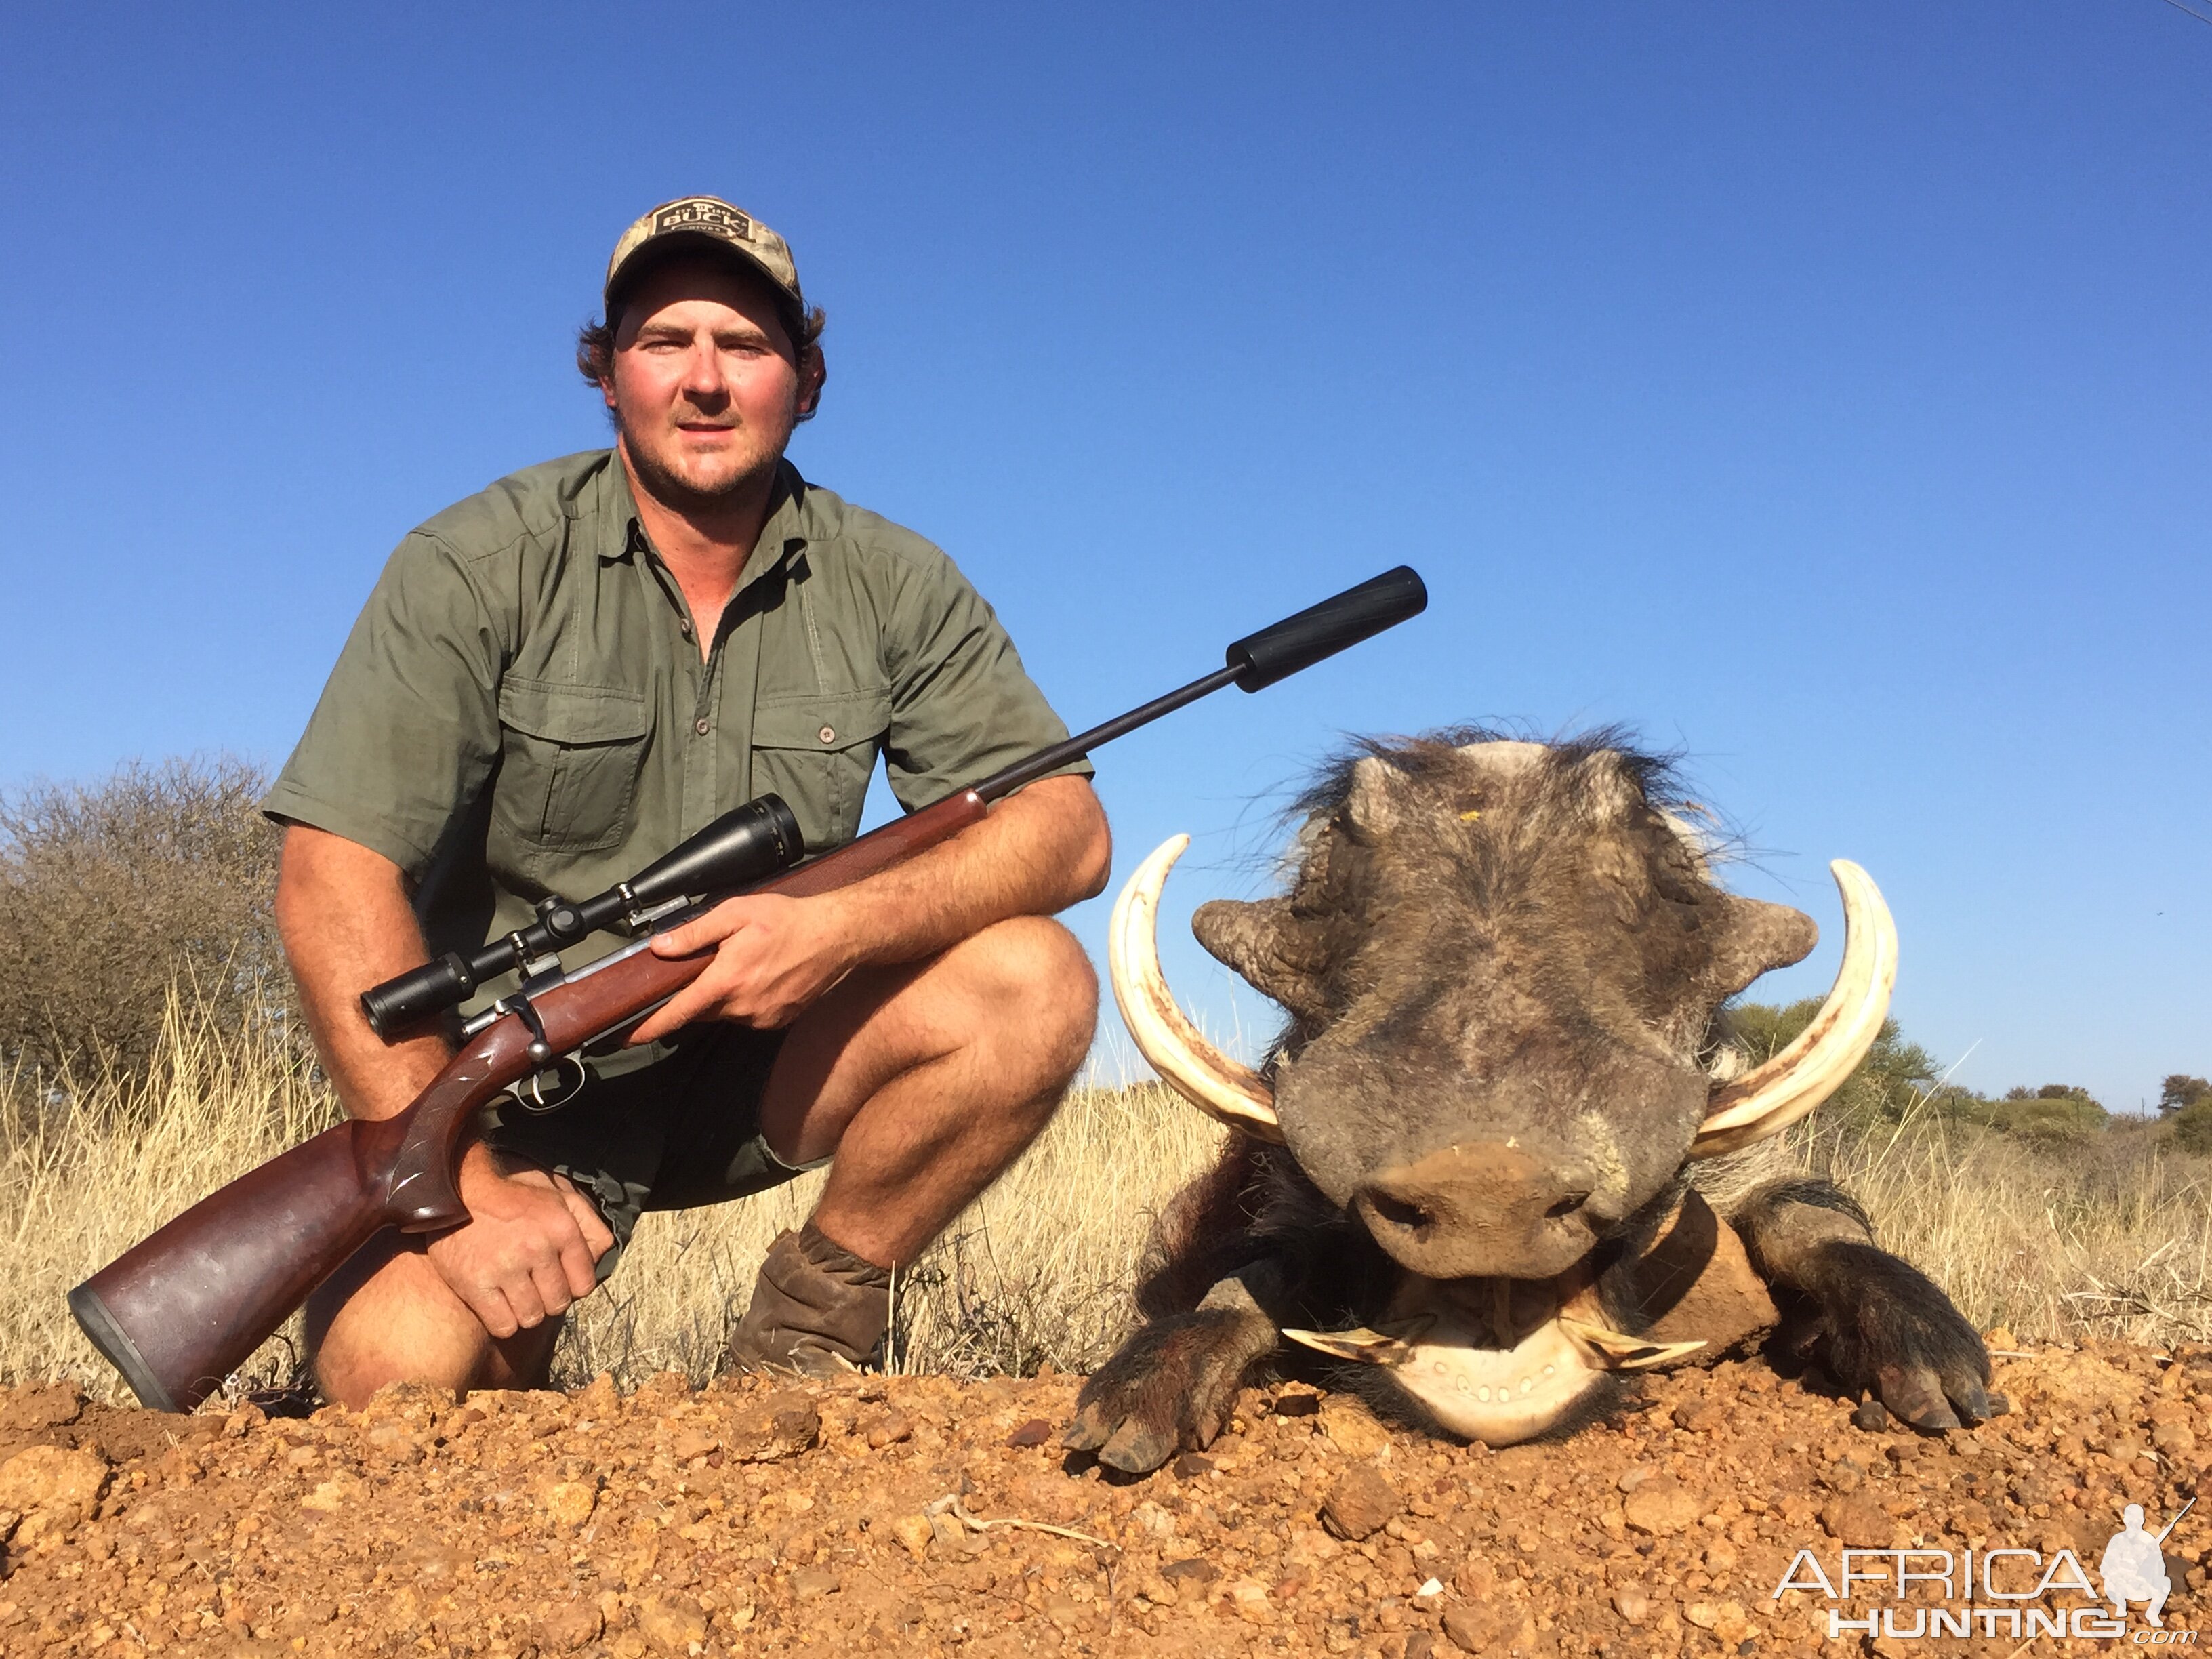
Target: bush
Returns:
[2181, 1091]
[1899, 1079]
[2051, 1113]
[112, 892]
[2192, 1127]
[1893, 1075]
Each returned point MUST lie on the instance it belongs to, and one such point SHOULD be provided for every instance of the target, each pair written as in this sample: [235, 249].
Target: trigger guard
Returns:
[532, 1095]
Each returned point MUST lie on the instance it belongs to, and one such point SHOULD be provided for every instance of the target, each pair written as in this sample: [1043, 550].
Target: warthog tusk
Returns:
[1235, 1095]
[1500, 1396]
[1766, 1100]
[1368, 1348]
[1616, 1351]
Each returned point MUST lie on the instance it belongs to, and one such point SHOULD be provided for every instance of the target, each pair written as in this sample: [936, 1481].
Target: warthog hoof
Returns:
[1168, 1389]
[1891, 1334]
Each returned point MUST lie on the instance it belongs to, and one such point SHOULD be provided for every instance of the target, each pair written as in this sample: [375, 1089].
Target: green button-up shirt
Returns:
[523, 708]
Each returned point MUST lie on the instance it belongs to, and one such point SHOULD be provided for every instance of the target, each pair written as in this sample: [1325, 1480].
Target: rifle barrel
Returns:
[2176, 1521]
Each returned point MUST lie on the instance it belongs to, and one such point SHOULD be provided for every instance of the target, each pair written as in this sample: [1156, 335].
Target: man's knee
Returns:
[1038, 994]
[387, 1316]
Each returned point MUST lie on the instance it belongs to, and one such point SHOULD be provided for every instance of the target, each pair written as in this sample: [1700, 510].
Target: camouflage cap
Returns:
[713, 222]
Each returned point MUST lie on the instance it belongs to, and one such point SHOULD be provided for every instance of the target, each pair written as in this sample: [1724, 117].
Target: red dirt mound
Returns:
[918, 1514]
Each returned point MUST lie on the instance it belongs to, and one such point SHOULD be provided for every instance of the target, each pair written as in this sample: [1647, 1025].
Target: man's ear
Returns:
[607, 389]
[813, 374]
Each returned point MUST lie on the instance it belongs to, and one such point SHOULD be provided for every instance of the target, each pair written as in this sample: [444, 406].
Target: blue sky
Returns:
[1825, 392]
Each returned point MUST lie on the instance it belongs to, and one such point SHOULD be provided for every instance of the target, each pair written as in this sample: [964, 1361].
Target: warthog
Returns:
[1476, 1169]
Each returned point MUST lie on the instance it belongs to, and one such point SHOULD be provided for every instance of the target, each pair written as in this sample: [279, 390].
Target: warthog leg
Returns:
[1171, 1385]
[1882, 1326]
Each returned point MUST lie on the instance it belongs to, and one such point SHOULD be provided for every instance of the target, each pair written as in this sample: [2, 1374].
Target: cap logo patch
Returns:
[716, 218]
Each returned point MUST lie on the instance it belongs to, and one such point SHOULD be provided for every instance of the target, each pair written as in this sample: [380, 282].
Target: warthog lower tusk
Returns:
[1235, 1094]
[1368, 1348]
[1616, 1351]
[1786, 1088]
[1602, 1349]
[1500, 1396]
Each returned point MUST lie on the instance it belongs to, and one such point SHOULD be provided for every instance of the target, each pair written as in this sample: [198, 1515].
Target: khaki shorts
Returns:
[682, 1131]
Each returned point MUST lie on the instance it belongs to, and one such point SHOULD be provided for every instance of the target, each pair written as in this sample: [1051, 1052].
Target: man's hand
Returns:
[773, 956]
[1039, 851]
[528, 1250]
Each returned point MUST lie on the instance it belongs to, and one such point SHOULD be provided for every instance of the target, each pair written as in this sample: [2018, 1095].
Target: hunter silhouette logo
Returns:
[1988, 1592]
[2133, 1565]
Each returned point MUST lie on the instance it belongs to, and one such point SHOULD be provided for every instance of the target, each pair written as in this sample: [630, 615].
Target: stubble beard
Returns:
[682, 495]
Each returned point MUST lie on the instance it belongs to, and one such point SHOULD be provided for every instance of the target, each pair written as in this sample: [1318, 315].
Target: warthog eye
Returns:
[1567, 1203]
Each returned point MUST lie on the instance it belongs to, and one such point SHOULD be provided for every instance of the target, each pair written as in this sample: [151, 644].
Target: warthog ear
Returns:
[1757, 939]
[1267, 947]
[1375, 802]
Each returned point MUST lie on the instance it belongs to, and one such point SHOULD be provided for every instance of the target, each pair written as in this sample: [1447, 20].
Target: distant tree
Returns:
[2051, 1113]
[1899, 1076]
[1894, 1073]
[2055, 1091]
[112, 891]
[2181, 1091]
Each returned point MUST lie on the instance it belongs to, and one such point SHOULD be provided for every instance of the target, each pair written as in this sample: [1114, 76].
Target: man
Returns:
[559, 678]
[2133, 1568]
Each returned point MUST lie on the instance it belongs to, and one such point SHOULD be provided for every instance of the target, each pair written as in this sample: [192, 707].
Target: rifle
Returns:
[176, 1314]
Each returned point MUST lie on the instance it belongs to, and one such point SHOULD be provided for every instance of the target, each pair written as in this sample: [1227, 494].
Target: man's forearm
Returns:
[1039, 851]
[346, 923]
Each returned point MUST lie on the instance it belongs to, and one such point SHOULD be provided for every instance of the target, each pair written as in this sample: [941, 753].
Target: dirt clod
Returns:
[568, 1504]
[782, 1426]
[674, 1621]
[1352, 1428]
[1859, 1521]
[26, 1411]
[1491, 1628]
[1664, 1505]
[564, 1629]
[1360, 1504]
[46, 1480]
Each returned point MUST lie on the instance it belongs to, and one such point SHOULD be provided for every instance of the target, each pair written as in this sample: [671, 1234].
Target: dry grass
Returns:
[1038, 1272]
[2111, 1236]
[80, 1186]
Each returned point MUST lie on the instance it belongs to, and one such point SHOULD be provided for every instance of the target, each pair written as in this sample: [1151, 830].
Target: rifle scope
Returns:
[745, 845]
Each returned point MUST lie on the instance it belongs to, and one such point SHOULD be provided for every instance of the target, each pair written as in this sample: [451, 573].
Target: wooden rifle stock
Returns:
[176, 1314]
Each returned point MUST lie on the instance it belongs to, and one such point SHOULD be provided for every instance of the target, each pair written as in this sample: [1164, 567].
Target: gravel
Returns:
[926, 1515]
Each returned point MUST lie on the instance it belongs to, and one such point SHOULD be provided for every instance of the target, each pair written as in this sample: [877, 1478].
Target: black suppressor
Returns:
[745, 845]
[1322, 630]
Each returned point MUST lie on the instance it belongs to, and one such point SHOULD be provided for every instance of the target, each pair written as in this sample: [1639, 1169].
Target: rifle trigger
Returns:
[561, 1093]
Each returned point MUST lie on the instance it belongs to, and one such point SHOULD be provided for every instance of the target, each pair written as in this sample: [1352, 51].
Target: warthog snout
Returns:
[1482, 1209]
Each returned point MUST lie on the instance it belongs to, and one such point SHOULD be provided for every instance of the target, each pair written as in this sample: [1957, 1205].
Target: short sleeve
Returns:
[962, 705]
[407, 730]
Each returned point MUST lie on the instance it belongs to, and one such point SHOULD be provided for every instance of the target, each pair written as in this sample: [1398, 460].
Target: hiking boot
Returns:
[817, 1309]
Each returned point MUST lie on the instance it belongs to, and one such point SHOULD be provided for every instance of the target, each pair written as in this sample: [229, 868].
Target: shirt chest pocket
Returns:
[570, 761]
[817, 752]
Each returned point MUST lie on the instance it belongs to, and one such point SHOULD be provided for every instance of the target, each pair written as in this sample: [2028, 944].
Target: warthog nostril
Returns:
[1398, 1212]
[1567, 1203]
